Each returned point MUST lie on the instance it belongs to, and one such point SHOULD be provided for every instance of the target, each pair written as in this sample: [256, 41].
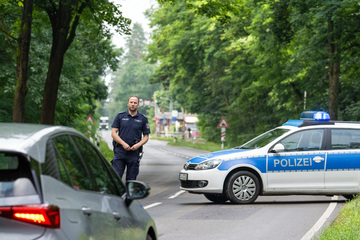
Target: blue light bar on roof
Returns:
[321, 116]
[315, 115]
[307, 115]
[294, 123]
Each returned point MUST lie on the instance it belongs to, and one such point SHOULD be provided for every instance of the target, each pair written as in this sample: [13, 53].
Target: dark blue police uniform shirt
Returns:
[131, 128]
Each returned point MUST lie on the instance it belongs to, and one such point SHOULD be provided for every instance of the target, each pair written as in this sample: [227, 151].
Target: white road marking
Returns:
[152, 205]
[171, 197]
[177, 194]
[310, 234]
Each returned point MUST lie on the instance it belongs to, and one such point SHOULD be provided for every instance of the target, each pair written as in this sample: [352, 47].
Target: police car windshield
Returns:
[263, 139]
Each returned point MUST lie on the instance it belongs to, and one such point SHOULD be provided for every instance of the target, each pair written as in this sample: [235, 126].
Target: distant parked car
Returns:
[55, 184]
[104, 123]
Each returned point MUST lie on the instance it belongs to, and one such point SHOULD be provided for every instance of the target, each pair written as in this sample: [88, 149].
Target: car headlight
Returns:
[208, 164]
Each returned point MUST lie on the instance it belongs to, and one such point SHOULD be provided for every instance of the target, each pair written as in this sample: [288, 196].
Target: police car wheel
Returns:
[216, 198]
[242, 187]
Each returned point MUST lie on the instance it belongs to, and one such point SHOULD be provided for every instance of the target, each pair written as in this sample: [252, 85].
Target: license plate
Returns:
[183, 176]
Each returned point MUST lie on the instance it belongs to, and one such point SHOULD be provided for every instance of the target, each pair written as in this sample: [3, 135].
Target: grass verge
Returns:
[347, 225]
[106, 151]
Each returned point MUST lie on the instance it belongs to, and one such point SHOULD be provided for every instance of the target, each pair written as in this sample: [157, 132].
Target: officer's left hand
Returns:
[134, 147]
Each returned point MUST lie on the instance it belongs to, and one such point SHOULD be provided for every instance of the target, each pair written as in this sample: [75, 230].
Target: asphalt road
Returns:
[180, 215]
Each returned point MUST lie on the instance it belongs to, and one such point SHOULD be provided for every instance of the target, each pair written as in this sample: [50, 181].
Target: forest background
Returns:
[256, 63]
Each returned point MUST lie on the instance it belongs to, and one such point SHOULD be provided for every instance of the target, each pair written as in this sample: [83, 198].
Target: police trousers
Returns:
[128, 160]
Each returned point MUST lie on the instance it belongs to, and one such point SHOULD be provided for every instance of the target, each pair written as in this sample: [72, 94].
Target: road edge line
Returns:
[311, 233]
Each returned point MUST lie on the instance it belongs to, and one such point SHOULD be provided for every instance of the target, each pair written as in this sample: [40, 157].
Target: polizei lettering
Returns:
[293, 162]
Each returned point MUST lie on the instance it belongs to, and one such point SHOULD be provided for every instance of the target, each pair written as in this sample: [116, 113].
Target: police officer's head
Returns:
[133, 103]
[133, 96]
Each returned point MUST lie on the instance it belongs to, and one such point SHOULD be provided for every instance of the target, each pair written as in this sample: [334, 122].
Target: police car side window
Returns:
[345, 139]
[308, 140]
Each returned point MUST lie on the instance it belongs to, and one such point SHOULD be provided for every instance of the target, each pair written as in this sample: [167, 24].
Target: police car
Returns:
[314, 156]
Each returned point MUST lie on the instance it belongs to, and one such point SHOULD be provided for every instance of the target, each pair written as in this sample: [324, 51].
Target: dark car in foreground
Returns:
[55, 184]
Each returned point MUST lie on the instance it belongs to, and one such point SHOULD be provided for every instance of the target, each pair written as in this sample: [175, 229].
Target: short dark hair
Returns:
[134, 97]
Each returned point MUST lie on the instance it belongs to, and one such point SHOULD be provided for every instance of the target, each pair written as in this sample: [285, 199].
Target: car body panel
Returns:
[225, 154]
[300, 170]
[29, 139]
[345, 175]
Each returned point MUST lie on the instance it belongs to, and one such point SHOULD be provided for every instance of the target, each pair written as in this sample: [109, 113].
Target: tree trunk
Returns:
[52, 86]
[22, 62]
[334, 69]
[60, 23]
[64, 22]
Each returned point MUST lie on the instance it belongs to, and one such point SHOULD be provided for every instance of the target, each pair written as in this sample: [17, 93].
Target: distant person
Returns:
[127, 130]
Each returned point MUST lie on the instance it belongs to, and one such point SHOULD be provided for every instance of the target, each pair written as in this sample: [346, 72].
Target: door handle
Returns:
[116, 215]
[86, 211]
[318, 159]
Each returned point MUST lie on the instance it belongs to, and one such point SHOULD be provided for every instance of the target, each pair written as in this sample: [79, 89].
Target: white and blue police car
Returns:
[311, 156]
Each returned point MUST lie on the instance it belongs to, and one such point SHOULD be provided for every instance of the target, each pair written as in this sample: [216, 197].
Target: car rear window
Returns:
[8, 162]
[345, 139]
[16, 180]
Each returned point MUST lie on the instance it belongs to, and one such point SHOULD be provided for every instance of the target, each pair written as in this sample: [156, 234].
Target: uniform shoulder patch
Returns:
[122, 113]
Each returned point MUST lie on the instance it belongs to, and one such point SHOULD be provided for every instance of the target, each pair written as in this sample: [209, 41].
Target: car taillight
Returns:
[39, 214]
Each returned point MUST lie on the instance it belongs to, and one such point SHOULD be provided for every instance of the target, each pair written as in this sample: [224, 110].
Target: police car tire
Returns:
[242, 187]
[216, 198]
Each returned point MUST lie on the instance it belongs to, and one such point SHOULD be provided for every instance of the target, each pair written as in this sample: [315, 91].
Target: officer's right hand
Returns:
[126, 147]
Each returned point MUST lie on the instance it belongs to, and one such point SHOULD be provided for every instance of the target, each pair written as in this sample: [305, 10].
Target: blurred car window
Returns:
[96, 166]
[72, 166]
[8, 162]
[23, 187]
[15, 177]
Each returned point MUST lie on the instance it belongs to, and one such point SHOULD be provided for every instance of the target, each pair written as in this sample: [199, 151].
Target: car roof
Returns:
[29, 139]
[306, 123]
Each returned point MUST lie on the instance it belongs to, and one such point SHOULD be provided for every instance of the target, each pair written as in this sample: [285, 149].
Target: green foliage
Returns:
[254, 65]
[7, 82]
[81, 83]
[132, 77]
[106, 151]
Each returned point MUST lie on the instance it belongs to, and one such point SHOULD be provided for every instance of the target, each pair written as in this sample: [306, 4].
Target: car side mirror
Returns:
[136, 190]
[278, 148]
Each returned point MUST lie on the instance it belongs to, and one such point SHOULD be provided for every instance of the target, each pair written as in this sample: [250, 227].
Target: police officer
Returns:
[127, 130]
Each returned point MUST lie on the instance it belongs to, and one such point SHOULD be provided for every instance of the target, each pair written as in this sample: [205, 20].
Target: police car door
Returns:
[300, 165]
[343, 165]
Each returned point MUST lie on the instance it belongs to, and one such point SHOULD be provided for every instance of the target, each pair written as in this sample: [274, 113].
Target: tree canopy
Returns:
[257, 63]
[132, 77]
[74, 82]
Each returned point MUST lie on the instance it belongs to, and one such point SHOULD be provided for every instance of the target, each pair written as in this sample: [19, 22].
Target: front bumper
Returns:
[202, 181]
